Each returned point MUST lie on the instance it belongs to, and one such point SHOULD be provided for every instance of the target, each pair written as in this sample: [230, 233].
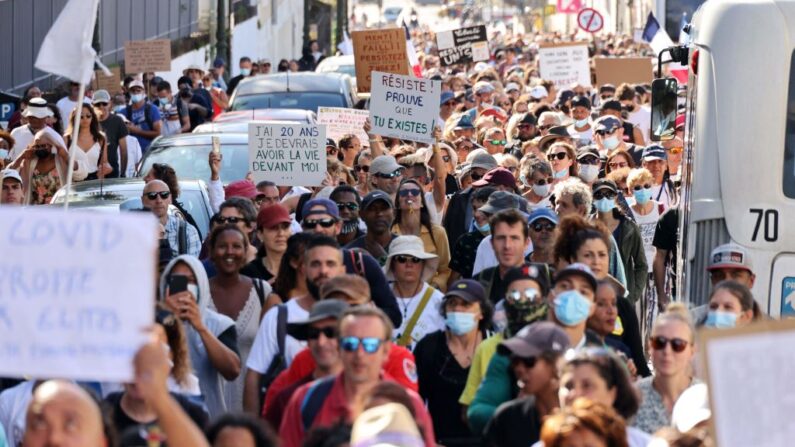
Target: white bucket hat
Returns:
[411, 246]
[37, 108]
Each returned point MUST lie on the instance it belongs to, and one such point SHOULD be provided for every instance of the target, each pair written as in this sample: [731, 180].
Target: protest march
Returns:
[450, 225]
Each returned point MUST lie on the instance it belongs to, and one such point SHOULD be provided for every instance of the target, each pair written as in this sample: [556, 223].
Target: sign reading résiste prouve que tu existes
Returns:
[404, 107]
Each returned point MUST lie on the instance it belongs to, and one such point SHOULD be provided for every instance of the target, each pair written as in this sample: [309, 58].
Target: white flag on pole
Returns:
[346, 46]
[66, 50]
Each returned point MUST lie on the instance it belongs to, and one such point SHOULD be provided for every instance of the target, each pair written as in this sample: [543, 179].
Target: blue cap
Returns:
[543, 213]
[465, 122]
[329, 207]
[654, 152]
[219, 62]
[607, 124]
[446, 96]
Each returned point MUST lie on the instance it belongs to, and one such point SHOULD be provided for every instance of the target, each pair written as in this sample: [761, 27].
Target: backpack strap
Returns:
[314, 399]
[182, 237]
[357, 260]
[281, 327]
[405, 339]
[260, 289]
[148, 115]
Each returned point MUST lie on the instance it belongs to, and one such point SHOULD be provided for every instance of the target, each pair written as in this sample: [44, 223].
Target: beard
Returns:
[313, 288]
[350, 226]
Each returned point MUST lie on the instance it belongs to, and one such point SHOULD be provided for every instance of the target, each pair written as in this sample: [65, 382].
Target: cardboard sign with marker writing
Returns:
[287, 154]
[565, 64]
[147, 55]
[463, 45]
[634, 70]
[110, 83]
[381, 50]
[404, 107]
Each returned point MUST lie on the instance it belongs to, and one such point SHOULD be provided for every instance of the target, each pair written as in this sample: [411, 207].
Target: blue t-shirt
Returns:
[138, 117]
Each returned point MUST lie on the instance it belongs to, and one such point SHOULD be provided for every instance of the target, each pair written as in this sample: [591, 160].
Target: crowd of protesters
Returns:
[508, 285]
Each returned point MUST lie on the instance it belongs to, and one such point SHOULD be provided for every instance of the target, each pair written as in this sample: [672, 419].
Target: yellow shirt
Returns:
[477, 371]
[441, 249]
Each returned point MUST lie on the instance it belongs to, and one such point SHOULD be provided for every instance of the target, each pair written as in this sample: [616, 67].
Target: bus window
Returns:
[663, 108]
[789, 138]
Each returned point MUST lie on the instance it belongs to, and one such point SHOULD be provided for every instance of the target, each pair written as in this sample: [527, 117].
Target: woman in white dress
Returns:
[91, 141]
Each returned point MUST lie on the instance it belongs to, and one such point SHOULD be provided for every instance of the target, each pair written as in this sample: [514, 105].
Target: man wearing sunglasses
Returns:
[364, 339]
[630, 134]
[494, 141]
[348, 202]
[542, 223]
[386, 174]
[526, 130]
[115, 133]
[183, 238]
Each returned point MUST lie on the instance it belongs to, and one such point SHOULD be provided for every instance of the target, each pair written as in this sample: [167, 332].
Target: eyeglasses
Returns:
[542, 181]
[589, 161]
[393, 174]
[100, 104]
[402, 259]
[362, 168]
[599, 195]
[229, 220]
[528, 362]
[352, 206]
[605, 97]
[677, 344]
[325, 223]
[529, 295]
[313, 333]
[603, 133]
[618, 164]
[539, 226]
[476, 177]
[558, 155]
[409, 192]
[153, 195]
[639, 187]
[498, 142]
[370, 344]
[676, 150]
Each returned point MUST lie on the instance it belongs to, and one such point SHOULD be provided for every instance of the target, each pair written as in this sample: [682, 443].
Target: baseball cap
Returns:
[241, 188]
[564, 96]
[135, 83]
[445, 97]
[539, 92]
[328, 206]
[512, 87]
[581, 101]
[321, 310]
[612, 104]
[730, 256]
[691, 408]
[605, 184]
[464, 122]
[37, 108]
[272, 215]
[528, 271]
[100, 96]
[654, 152]
[607, 124]
[497, 176]
[374, 196]
[12, 174]
[527, 118]
[579, 269]
[481, 160]
[536, 339]
[587, 151]
[503, 200]
[468, 290]
[331, 143]
[607, 88]
[543, 213]
[483, 87]
[219, 62]
[355, 287]
[384, 164]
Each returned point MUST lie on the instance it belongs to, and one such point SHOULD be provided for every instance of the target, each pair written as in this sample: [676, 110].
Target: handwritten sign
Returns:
[340, 122]
[617, 70]
[110, 83]
[76, 292]
[749, 373]
[565, 64]
[287, 154]
[147, 55]
[379, 50]
[404, 107]
[463, 45]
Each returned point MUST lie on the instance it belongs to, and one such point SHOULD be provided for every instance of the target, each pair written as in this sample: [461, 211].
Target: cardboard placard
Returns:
[463, 45]
[565, 64]
[404, 107]
[617, 70]
[68, 307]
[379, 50]
[110, 83]
[340, 122]
[147, 55]
[287, 154]
[748, 372]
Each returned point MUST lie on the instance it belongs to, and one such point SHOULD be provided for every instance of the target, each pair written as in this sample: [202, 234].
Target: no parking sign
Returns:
[590, 20]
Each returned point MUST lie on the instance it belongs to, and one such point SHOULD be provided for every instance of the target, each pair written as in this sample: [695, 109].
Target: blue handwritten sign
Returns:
[76, 292]
[404, 107]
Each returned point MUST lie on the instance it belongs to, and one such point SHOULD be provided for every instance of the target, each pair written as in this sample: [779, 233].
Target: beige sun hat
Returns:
[411, 246]
[388, 425]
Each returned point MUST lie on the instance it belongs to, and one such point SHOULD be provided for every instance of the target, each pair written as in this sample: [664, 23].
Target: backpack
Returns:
[278, 362]
[147, 114]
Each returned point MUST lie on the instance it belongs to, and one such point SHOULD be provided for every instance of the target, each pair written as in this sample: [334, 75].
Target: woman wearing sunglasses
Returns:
[563, 160]
[361, 169]
[409, 268]
[671, 347]
[620, 159]
[412, 218]
[91, 141]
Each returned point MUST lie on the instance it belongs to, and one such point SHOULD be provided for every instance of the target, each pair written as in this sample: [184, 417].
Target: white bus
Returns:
[739, 167]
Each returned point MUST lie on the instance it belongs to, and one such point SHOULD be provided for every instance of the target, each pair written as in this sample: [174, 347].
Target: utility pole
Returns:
[222, 32]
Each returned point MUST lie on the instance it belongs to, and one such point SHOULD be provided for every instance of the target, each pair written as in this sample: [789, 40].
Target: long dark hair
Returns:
[287, 277]
[613, 371]
[99, 137]
[572, 232]
[425, 216]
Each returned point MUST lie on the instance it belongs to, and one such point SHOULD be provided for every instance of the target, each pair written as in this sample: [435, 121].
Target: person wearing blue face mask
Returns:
[444, 359]
[244, 66]
[731, 304]
[175, 112]
[145, 120]
[571, 302]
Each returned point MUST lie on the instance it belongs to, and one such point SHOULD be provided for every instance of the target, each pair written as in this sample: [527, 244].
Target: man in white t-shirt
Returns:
[638, 115]
[37, 113]
[322, 260]
[68, 103]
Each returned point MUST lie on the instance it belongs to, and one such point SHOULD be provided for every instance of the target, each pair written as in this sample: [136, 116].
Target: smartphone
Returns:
[177, 284]
[217, 145]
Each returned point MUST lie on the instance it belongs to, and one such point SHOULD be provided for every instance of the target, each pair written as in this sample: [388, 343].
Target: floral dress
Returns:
[43, 186]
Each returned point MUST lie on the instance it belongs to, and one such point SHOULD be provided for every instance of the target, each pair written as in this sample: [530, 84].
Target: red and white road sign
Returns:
[569, 6]
[590, 20]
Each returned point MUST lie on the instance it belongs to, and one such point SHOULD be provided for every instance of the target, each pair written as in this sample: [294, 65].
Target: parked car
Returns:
[109, 195]
[237, 122]
[188, 154]
[338, 64]
[304, 90]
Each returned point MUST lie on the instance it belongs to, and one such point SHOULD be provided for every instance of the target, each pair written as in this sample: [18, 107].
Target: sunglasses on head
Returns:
[370, 344]
[402, 259]
[677, 344]
[409, 192]
[229, 220]
[362, 168]
[639, 187]
[352, 206]
[498, 142]
[325, 223]
[528, 362]
[153, 195]
[604, 195]
[528, 295]
[313, 333]
[539, 226]
[393, 174]
[558, 155]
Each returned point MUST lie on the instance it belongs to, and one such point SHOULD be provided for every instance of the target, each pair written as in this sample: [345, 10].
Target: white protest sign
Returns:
[565, 64]
[404, 107]
[287, 154]
[76, 292]
[340, 122]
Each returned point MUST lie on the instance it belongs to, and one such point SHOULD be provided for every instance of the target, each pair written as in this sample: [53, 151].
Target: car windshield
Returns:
[190, 162]
[289, 100]
[348, 69]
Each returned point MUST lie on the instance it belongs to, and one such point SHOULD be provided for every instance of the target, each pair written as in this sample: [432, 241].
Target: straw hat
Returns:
[411, 246]
[388, 425]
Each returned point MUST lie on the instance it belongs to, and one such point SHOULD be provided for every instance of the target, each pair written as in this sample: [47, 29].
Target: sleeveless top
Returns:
[92, 157]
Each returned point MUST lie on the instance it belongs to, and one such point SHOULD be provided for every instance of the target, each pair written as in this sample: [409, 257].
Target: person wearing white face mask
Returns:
[144, 118]
[536, 177]
[590, 164]
[581, 114]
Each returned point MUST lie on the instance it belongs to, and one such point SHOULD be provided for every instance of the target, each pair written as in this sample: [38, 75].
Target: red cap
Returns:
[241, 188]
[680, 122]
[497, 176]
[273, 215]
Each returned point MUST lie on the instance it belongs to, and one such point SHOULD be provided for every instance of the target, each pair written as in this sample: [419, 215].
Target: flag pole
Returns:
[73, 147]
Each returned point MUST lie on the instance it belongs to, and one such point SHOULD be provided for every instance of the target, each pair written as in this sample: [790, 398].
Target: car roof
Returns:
[299, 82]
[126, 184]
[200, 139]
[295, 115]
[346, 59]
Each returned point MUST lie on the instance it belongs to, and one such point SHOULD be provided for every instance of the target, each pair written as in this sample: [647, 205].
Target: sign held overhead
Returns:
[565, 64]
[287, 154]
[463, 45]
[379, 50]
[147, 55]
[404, 107]
[617, 70]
